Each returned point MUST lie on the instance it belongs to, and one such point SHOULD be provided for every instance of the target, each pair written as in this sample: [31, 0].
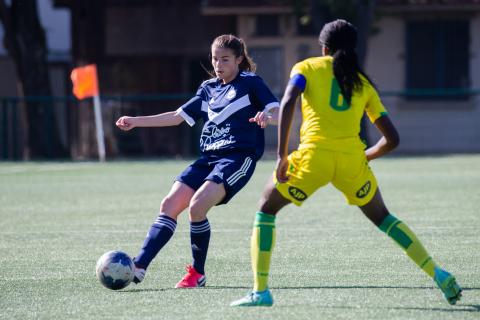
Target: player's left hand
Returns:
[281, 170]
[261, 118]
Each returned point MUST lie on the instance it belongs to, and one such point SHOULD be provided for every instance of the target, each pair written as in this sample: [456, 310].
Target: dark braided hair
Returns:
[340, 37]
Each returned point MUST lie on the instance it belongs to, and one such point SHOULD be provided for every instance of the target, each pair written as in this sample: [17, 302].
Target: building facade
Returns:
[424, 57]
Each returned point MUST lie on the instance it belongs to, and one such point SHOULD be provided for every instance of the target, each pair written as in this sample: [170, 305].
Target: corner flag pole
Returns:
[97, 108]
[85, 85]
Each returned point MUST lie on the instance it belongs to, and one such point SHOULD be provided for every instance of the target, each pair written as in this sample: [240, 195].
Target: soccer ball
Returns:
[115, 270]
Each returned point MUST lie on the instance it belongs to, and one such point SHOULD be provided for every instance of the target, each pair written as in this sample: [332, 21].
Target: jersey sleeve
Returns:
[375, 108]
[298, 75]
[298, 80]
[263, 95]
[192, 110]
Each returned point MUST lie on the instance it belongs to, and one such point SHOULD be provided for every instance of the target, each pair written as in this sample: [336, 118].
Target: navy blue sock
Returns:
[199, 238]
[159, 234]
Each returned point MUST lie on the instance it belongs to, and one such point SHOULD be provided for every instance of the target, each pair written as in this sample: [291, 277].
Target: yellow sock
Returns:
[261, 247]
[405, 238]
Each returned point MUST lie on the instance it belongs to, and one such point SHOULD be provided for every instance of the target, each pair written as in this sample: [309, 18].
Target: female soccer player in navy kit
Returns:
[235, 106]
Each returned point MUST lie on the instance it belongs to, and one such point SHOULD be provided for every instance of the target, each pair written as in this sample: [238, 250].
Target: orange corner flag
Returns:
[85, 82]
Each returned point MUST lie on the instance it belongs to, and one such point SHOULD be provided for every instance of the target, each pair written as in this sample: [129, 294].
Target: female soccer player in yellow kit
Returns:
[335, 94]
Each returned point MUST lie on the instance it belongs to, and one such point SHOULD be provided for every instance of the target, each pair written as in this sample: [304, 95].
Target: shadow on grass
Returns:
[457, 308]
[341, 287]
[145, 290]
[297, 288]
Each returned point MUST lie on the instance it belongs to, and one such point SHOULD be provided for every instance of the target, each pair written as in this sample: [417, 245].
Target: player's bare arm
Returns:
[166, 119]
[389, 141]
[287, 108]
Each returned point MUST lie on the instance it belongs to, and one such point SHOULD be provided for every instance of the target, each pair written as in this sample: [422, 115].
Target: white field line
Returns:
[52, 168]
[7, 233]
[186, 230]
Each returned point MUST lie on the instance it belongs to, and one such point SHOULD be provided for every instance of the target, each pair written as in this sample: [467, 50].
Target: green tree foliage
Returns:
[358, 12]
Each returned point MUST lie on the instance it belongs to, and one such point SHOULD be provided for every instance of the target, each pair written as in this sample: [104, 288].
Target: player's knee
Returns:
[197, 210]
[268, 209]
[268, 206]
[262, 203]
[171, 207]
[380, 216]
[166, 204]
[272, 201]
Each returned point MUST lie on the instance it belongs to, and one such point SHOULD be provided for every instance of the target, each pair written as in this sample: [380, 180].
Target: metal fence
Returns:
[73, 124]
[72, 121]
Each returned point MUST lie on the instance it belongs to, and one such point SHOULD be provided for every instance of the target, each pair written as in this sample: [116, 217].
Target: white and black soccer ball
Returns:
[115, 270]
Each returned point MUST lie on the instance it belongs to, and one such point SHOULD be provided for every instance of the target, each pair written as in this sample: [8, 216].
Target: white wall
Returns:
[385, 58]
[56, 23]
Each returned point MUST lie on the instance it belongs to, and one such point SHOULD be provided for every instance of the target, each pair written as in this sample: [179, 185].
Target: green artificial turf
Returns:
[330, 262]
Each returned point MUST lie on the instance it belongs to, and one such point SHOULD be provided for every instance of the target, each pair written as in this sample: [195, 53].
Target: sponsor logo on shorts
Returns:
[364, 190]
[297, 194]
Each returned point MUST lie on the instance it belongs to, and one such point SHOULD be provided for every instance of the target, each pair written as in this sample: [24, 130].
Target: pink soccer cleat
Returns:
[192, 279]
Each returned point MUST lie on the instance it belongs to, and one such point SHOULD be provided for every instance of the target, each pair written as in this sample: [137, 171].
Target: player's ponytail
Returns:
[247, 63]
[340, 37]
[239, 48]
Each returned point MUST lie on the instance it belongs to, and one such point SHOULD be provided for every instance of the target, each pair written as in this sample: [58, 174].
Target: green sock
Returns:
[261, 247]
[405, 238]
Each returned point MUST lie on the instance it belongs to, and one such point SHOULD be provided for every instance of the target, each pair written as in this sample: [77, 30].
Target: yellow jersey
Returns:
[329, 122]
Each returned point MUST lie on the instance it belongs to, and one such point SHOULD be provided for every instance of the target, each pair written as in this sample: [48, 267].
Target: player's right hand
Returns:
[125, 123]
[261, 118]
[281, 170]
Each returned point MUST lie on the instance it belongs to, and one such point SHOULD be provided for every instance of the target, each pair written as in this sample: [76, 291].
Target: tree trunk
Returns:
[26, 43]
[365, 10]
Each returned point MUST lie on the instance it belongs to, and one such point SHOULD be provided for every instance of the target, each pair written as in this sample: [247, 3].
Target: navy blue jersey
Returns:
[226, 109]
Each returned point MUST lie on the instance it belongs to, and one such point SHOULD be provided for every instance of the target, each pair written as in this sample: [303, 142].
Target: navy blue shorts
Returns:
[233, 171]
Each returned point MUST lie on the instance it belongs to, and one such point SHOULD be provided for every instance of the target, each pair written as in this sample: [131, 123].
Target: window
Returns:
[303, 52]
[438, 59]
[269, 62]
[270, 66]
[267, 25]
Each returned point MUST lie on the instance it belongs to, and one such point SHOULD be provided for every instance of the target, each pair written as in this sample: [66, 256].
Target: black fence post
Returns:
[3, 129]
